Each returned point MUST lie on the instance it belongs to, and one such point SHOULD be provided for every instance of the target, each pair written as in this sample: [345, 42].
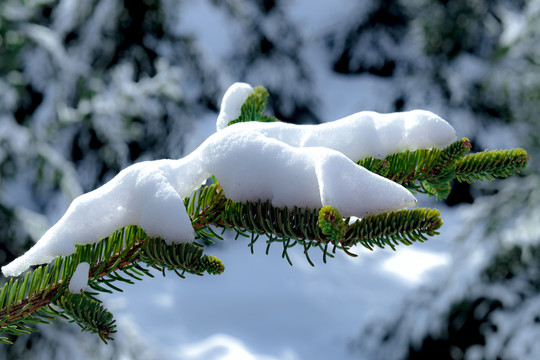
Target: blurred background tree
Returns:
[89, 87]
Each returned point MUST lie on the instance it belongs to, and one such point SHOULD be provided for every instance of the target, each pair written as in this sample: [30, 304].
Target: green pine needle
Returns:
[310, 229]
[426, 170]
[180, 257]
[89, 314]
[431, 171]
[113, 259]
[489, 165]
[253, 107]
[394, 228]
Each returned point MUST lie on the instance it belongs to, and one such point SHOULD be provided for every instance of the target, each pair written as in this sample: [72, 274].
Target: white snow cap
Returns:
[250, 166]
[290, 165]
[364, 134]
[232, 103]
[79, 280]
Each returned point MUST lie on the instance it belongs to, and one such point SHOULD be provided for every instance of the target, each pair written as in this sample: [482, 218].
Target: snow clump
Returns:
[232, 102]
[79, 279]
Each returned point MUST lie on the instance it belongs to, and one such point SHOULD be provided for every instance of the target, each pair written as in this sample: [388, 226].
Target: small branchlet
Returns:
[489, 165]
[253, 107]
[180, 258]
[324, 229]
[89, 314]
[431, 171]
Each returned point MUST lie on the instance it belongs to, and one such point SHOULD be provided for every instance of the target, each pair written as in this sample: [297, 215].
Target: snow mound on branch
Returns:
[290, 165]
[79, 279]
[288, 176]
[364, 134]
[142, 194]
[232, 102]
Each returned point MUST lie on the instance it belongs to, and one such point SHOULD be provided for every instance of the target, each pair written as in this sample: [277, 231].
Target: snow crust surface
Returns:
[290, 165]
[79, 280]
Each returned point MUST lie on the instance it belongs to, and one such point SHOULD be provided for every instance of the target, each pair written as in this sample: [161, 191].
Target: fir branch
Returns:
[426, 170]
[431, 171]
[42, 294]
[32, 299]
[34, 308]
[489, 165]
[308, 228]
[391, 229]
[89, 314]
[184, 257]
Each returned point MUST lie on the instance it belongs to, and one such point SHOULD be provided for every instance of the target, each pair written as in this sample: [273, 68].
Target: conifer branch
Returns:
[426, 170]
[431, 171]
[43, 294]
[89, 314]
[391, 229]
[489, 165]
[308, 228]
[128, 254]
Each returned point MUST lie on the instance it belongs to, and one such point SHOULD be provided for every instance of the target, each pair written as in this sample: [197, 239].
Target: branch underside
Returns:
[302, 226]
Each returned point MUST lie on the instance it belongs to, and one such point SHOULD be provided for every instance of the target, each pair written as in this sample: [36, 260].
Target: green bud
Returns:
[331, 223]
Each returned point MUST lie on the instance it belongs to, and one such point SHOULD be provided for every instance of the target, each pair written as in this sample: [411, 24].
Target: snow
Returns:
[79, 279]
[225, 347]
[366, 133]
[232, 103]
[411, 265]
[140, 194]
[315, 17]
[50, 41]
[309, 177]
[291, 165]
[214, 32]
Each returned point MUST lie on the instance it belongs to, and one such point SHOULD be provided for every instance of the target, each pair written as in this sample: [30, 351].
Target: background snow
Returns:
[126, 95]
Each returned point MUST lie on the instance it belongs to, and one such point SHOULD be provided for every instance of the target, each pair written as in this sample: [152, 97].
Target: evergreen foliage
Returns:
[127, 255]
[253, 107]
